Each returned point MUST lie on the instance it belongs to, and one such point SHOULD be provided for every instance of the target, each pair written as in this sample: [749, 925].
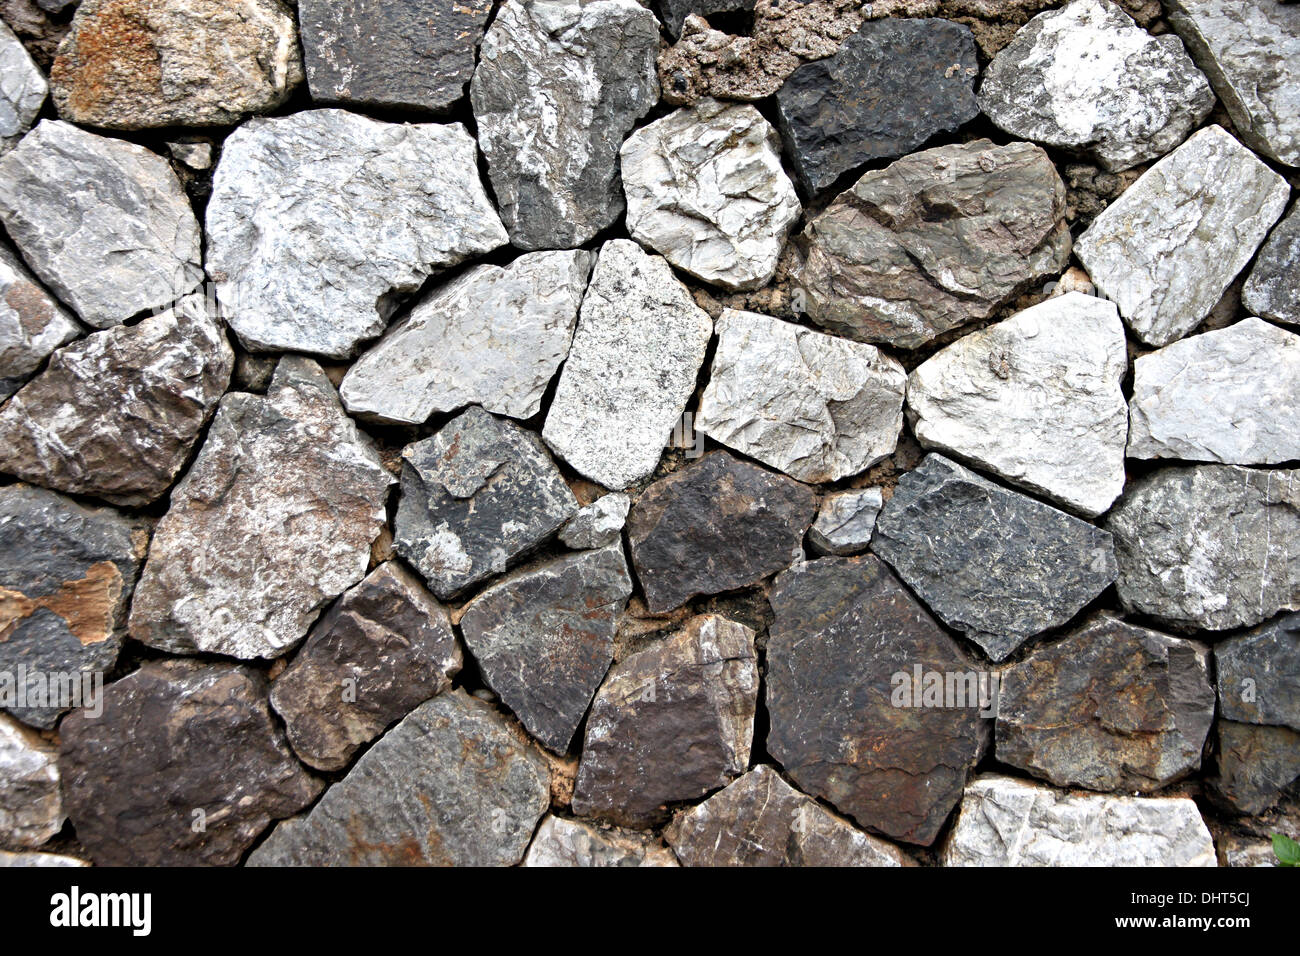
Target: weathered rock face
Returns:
[567, 843]
[1231, 396]
[1166, 249]
[471, 793]
[104, 223]
[847, 640]
[1209, 546]
[22, 89]
[38, 859]
[1086, 78]
[116, 414]
[493, 337]
[417, 56]
[1251, 53]
[716, 525]
[1111, 707]
[995, 564]
[1254, 765]
[272, 521]
[1259, 674]
[845, 521]
[893, 85]
[135, 64]
[319, 221]
[815, 406]
[185, 767]
[559, 84]
[67, 572]
[705, 189]
[384, 648]
[1035, 399]
[670, 723]
[476, 496]
[31, 809]
[544, 638]
[32, 324]
[636, 353]
[933, 241]
[1008, 822]
[1273, 287]
[598, 524]
[675, 12]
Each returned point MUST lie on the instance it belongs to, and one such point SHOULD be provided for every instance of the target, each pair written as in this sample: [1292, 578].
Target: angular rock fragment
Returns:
[559, 84]
[493, 337]
[716, 525]
[1273, 287]
[995, 564]
[933, 241]
[38, 859]
[565, 843]
[186, 766]
[384, 648]
[847, 641]
[1259, 674]
[1230, 396]
[274, 520]
[1211, 546]
[32, 324]
[471, 792]
[22, 89]
[31, 809]
[638, 348]
[598, 524]
[1167, 249]
[816, 406]
[675, 12]
[670, 723]
[1255, 764]
[319, 221]
[845, 521]
[104, 223]
[1035, 399]
[476, 496]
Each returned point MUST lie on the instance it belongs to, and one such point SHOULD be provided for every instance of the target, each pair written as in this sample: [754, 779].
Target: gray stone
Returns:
[274, 520]
[493, 337]
[1230, 396]
[196, 156]
[1209, 546]
[22, 89]
[559, 84]
[1259, 674]
[104, 223]
[993, 563]
[569, 843]
[1273, 288]
[845, 521]
[1035, 399]
[31, 809]
[320, 220]
[636, 353]
[454, 784]
[597, 524]
[1255, 764]
[38, 860]
[1167, 249]
[32, 324]
[816, 406]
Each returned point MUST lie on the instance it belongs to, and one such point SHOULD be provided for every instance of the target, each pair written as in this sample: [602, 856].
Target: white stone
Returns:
[845, 521]
[598, 524]
[567, 843]
[22, 89]
[32, 324]
[31, 808]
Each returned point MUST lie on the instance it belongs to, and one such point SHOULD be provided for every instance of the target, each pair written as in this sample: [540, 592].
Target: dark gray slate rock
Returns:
[994, 563]
[1272, 291]
[716, 525]
[544, 637]
[475, 497]
[454, 784]
[844, 629]
[1254, 765]
[186, 766]
[32, 324]
[383, 648]
[893, 85]
[1259, 674]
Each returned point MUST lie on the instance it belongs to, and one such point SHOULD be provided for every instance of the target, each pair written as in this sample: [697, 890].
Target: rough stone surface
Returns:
[705, 189]
[558, 85]
[274, 519]
[383, 648]
[38, 860]
[1211, 546]
[477, 496]
[471, 792]
[1035, 399]
[179, 743]
[493, 337]
[32, 324]
[1167, 249]
[1009, 822]
[845, 521]
[1255, 764]
[1086, 78]
[1259, 674]
[116, 414]
[716, 525]
[844, 629]
[995, 564]
[39, 29]
[670, 723]
[675, 12]
[933, 241]
[816, 406]
[31, 809]
[1273, 287]
[544, 638]
[104, 223]
[598, 524]
[569, 843]
[417, 55]
[319, 221]
[1230, 396]
[22, 89]
[637, 350]
[136, 64]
